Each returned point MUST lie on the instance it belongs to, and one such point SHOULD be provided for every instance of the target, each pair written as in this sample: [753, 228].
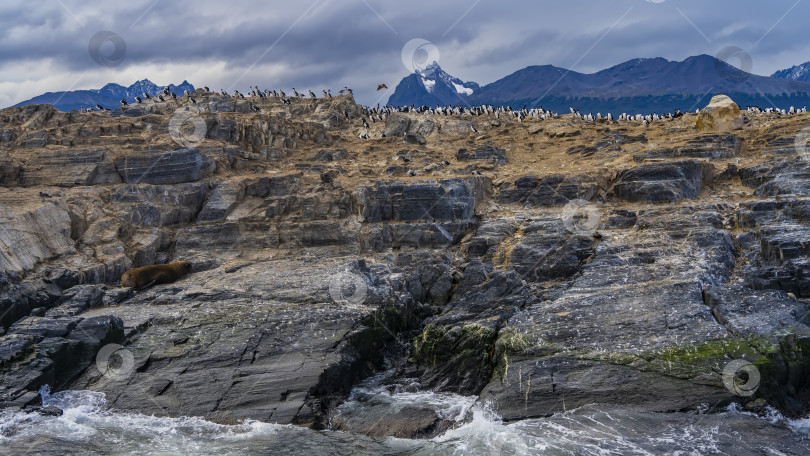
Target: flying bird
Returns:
[382, 86]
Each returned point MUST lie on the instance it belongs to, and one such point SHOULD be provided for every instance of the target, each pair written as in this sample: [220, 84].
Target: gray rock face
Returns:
[443, 200]
[156, 167]
[222, 200]
[33, 232]
[273, 186]
[706, 146]
[35, 140]
[662, 182]
[782, 146]
[487, 152]
[7, 135]
[329, 155]
[784, 178]
[424, 127]
[313, 270]
[396, 125]
[212, 361]
[554, 190]
[221, 104]
[19, 300]
[41, 350]
[776, 258]
[552, 356]
[69, 167]
[418, 235]
[9, 172]
[147, 205]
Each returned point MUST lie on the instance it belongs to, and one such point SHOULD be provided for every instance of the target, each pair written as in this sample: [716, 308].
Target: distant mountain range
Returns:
[638, 85]
[796, 73]
[108, 96]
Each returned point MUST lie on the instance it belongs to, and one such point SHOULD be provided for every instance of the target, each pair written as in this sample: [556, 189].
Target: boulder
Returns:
[414, 138]
[396, 125]
[721, 114]
[424, 127]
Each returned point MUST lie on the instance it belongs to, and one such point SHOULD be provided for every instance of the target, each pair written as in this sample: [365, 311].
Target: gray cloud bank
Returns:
[318, 44]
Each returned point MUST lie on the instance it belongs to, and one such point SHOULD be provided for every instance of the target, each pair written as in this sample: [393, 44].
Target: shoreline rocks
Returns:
[592, 263]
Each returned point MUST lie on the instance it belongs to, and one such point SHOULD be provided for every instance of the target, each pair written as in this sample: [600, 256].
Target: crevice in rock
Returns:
[367, 348]
[224, 395]
[166, 388]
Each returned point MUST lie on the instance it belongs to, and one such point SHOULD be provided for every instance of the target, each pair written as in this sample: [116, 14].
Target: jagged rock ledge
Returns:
[593, 263]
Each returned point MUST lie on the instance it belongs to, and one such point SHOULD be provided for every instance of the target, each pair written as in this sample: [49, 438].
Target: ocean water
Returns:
[88, 427]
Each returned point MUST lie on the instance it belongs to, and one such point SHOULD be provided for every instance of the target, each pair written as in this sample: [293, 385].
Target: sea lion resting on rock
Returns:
[147, 276]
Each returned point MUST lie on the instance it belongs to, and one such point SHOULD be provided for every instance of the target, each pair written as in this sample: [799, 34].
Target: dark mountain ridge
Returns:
[638, 85]
[108, 96]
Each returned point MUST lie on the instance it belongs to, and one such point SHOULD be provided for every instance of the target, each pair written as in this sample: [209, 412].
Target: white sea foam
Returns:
[87, 427]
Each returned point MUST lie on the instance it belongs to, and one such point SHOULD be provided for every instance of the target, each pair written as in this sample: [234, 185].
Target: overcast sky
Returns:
[317, 44]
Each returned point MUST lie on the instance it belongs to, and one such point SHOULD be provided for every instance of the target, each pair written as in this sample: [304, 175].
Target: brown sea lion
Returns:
[147, 276]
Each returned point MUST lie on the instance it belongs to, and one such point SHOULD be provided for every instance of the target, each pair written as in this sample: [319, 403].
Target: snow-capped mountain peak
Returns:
[433, 73]
[796, 73]
[432, 86]
[430, 69]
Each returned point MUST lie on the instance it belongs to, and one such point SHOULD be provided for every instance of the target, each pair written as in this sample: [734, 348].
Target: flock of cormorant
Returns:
[379, 114]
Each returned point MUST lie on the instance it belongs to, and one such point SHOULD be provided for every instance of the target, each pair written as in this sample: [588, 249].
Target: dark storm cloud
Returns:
[330, 43]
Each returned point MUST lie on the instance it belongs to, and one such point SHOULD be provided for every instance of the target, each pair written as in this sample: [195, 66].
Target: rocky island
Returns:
[538, 264]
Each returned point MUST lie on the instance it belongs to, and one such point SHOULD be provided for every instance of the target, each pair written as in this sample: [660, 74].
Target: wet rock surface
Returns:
[631, 277]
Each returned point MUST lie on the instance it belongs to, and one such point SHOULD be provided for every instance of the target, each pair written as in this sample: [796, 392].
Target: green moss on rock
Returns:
[467, 343]
[457, 358]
